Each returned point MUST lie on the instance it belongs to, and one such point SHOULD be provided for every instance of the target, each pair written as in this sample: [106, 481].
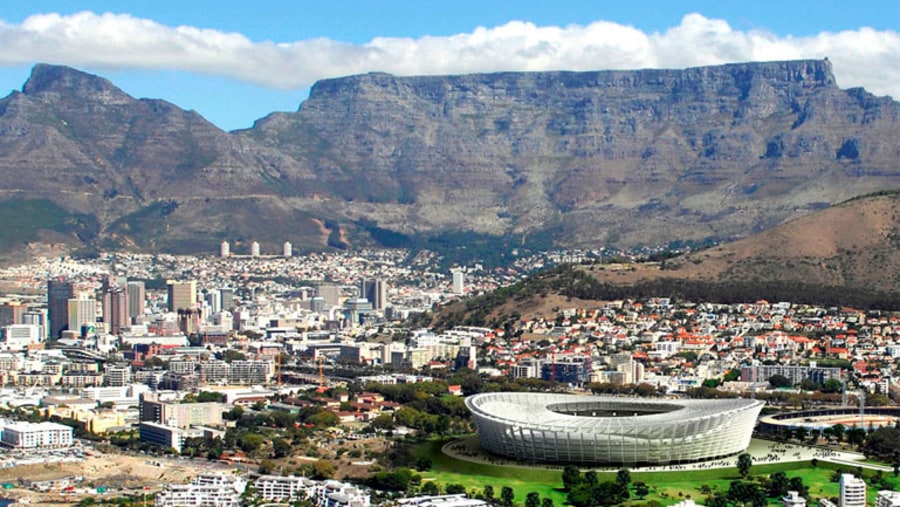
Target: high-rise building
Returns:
[459, 281]
[136, 299]
[59, 293]
[37, 317]
[182, 295]
[82, 312]
[115, 309]
[853, 491]
[254, 249]
[214, 300]
[331, 293]
[224, 249]
[227, 298]
[11, 313]
[288, 249]
[376, 292]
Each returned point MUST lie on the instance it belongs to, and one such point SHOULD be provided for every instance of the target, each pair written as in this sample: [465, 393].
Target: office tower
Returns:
[189, 320]
[11, 313]
[227, 299]
[37, 317]
[58, 295]
[288, 249]
[853, 491]
[136, 300]
[82, 312]
[254, 249]
[182, 295]
[115, 309]
[331, 293]
[376, 292]
[224, 249]
[459, 281]
[214, 300]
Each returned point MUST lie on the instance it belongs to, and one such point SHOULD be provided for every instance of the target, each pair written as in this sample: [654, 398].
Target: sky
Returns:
[236, 61]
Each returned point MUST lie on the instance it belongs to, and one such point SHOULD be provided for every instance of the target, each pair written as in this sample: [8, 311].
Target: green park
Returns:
[483, 476]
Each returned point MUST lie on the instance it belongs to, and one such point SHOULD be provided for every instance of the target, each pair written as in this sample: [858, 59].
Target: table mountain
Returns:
[582, 158]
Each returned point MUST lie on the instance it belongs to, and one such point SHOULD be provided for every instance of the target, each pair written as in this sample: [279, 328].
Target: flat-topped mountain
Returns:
[580, 158]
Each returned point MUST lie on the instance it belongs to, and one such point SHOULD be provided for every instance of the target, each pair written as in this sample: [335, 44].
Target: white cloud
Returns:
[863, 57]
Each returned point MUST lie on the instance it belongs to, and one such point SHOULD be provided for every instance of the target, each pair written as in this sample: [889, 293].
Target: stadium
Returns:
[819, 419]
[600, 430]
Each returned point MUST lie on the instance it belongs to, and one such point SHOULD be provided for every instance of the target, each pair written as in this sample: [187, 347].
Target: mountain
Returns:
[127, 171]
[855, 244]
[619, 158]
[846, 255]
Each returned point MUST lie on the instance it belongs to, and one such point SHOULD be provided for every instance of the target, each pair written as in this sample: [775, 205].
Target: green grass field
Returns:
[665, 487]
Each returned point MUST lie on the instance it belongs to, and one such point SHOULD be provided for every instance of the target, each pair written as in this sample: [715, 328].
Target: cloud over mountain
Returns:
[863, 57]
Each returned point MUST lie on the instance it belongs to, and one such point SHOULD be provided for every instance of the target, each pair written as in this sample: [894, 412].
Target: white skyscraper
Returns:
[288, 249]
[853, 491]
[254, 249]
[459, 281]
[224, 249]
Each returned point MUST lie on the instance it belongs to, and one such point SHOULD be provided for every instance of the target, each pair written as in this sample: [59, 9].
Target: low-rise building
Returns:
[887, 499]
[460, 500]
[206, 490]
[44, 435]
[793, 499]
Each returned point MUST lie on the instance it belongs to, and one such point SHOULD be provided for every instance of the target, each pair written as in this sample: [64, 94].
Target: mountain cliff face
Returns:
[587, 158]
[628, 157]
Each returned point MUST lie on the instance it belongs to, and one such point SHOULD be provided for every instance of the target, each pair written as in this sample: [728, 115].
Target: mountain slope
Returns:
[854, 244]
[618, 158]
[80, 142]
[625, 157]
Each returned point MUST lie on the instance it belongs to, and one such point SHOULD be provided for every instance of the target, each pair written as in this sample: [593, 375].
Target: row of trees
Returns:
[587, 491]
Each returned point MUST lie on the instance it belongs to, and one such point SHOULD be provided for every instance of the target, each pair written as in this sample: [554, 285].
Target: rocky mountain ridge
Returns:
[577, 158]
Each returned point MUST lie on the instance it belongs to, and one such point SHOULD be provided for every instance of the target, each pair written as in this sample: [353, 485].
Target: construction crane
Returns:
[278, 367]
[322, 387]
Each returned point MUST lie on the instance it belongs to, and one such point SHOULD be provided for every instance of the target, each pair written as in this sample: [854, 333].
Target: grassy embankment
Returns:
[665, 487]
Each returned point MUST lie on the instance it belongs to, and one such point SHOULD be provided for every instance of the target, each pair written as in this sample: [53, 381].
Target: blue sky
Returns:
[235, 61]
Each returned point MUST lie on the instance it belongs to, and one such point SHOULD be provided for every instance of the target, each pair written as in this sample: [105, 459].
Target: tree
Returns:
[280, 448]
[832, 386]
[323, 469]
[777, 381]
[507, 495]
[532, 499]
[883, 443]
[455, 489]
[571, 477]
[838, 431]
[430, 488]
[546, 502]
[266, 466]
[623, 477]
[641, 489]
[744, 462]
[323, 419]
[251, 442]
[778, 484]
[488, 493]
[796, 484]
[591, 478]
[856, 436]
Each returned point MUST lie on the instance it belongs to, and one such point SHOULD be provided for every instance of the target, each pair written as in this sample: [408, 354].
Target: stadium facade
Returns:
[602, 430]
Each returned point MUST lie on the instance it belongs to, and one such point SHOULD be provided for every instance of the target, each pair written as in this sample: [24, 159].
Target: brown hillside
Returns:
[854, 244]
